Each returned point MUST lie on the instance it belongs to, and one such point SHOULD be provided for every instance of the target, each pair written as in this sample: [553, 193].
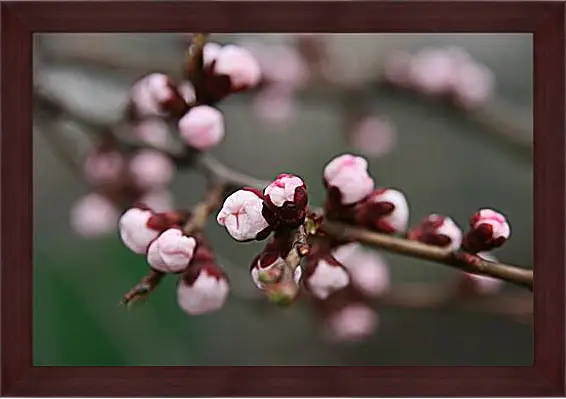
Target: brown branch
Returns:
[463, 261]
[142, 289]
[202, 211]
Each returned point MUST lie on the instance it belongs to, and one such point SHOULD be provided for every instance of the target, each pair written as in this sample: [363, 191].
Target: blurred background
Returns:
[449, 157]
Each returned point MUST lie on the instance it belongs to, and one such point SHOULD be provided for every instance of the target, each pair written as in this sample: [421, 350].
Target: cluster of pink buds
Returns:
[119, 179]
[338, 277]
[249, 214]
[352, 197]
[488, 230]
[156, 98]
[203, 286]
[449, 72]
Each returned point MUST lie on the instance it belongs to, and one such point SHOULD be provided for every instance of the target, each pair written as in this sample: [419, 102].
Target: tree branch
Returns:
[459, 260]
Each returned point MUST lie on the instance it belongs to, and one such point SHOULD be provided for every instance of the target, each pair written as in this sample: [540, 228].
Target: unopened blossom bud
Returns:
[488, 229]
[325, 276]
[135, 229]
[473, 84]
[267, 268]
[242, 215]
[373, 136]
[202, 127]
[155, 95]
[93, 215]
[351, 323]
[368, 269]
[385, 210]
[171, 252]
[437, 230]
[475, 284]
[154, 132]
[104, 167]
[239, 65]
[349, 175]
[287, 198]
[210, 52]
[203, 286]
[151, 169]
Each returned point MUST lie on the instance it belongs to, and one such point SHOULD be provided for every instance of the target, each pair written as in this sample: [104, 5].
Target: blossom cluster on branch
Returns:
[317, 253]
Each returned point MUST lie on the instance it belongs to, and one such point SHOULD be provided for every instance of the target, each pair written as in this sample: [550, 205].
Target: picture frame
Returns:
[20, 20]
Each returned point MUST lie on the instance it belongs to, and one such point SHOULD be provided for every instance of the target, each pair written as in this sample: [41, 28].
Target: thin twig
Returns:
[142, 289]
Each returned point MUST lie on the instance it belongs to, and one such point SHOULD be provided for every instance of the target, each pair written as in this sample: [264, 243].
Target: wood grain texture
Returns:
[20, 19]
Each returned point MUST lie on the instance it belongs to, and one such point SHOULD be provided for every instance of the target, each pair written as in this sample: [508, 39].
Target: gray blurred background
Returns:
[443, 161]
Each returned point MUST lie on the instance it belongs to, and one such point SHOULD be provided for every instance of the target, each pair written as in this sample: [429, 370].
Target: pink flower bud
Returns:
[239, 65]
[385, 210]
[171, 252]
[349, 174]
[155, 95]
[285, 188]
[374, 136]
[287, 198]
[242, 215]
[210, 52]
[267, 269]
[202, 127]
[488, 229]
[135, 231]
[437, 230]
[352, 323]
[325, 276]
[93, 215]
[203, 287]
[154, 132]
[368, 269]
[104, 167]
[151, 169]
[475, 284]
[473, 84]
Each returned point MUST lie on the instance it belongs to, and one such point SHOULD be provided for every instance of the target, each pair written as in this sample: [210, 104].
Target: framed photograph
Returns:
[298, 198]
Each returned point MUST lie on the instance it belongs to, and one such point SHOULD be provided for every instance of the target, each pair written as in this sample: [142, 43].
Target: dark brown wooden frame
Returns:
[19, 20]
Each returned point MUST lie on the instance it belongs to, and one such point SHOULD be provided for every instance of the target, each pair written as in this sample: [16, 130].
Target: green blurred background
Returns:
[443, 161]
